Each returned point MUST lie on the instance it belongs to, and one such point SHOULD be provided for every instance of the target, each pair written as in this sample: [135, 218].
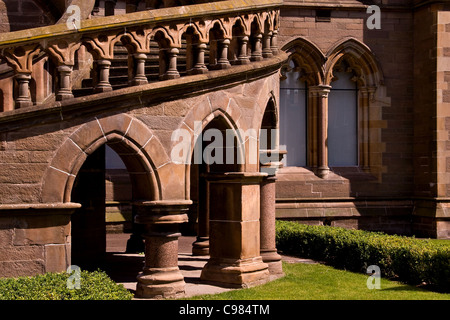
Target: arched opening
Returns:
[216, 151]
[103, 235]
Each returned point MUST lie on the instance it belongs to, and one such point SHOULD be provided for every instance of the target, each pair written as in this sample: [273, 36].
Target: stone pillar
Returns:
[200, 66]
[172, 71]
[139, 75]
[243, 55]
[201, 246]
[223, 62]
[103, 84]
[65, 86]
[257, 50]
[268, 234]
[235, 259]
[161, 277]
[267, 49]
[268, 244]
[23, 99]
[322, 129]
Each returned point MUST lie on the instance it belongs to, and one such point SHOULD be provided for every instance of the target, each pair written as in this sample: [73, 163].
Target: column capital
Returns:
[162, 211]
[321, 90]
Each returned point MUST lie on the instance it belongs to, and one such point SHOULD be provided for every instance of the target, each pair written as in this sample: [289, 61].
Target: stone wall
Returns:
[403, 146]
[24, 14]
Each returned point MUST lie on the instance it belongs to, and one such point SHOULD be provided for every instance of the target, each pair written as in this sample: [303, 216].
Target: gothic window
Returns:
[293, 118]
[343, 121]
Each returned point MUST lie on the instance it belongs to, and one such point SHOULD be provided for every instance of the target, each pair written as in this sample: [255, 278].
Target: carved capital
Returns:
[21, 58]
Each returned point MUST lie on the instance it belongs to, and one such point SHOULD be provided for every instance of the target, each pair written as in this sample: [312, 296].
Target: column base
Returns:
[201, 246]
[273, 260]
[323, 172]
[103, 88]
[221, 66]
[23, 104]
[64, 96]
[170, 76]
[160, 283]
[198, 70]
[256, 58]
[236, 273]
[138, 82]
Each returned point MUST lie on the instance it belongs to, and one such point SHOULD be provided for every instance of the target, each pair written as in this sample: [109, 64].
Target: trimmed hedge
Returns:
[53, 286]
[406, 259]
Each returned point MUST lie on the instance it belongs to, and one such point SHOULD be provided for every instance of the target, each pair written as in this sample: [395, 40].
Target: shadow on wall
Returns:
[24, 14]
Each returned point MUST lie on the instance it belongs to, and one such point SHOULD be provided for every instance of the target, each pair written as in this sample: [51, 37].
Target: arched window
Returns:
[343, 120]
[293, 118]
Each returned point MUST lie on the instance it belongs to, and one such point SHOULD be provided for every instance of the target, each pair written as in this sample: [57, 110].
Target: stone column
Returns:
[65, 86]
[200, 66]
[257, 50]
[139, 75]
[161, 277]
[268, 243]
[23, 99]
[201, 246]
[268, 234]
[235, 259]
[243, 55]
[103, 84]
[267, 50]
[223, 62]
[172, 71]
[322, 129]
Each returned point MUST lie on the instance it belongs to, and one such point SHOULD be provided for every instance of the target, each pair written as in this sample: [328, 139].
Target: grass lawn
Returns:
[321, 282]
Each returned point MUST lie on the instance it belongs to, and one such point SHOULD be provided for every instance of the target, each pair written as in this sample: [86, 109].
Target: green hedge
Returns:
[53, 286]
[406, 259]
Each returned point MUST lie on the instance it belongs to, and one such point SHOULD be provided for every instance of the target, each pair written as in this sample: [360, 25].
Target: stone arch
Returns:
[166, 37]
[198, 28]
[360, 58]
[130, 41]
[139, 149]
[308, 58]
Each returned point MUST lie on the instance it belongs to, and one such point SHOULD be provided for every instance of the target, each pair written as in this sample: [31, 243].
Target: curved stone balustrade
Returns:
[206, 37]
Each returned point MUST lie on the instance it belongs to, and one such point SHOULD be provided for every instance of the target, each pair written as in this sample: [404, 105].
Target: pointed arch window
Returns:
[293, 117]
[343, 120]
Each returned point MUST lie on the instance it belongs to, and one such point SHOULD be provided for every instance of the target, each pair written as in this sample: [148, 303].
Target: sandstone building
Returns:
[93, 95]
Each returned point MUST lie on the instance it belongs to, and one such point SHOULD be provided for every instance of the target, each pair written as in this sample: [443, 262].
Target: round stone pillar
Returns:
[268, 234]
[161, 277]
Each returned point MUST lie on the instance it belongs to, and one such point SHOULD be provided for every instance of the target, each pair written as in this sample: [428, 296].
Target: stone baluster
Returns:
[243, 55]
[65, 86]
[274, 42]
[172, 71]
[200, 66]
[103, 84]
[223, 62]
[23, 99]
[139, 74]
[267, 49]
[257, 50]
